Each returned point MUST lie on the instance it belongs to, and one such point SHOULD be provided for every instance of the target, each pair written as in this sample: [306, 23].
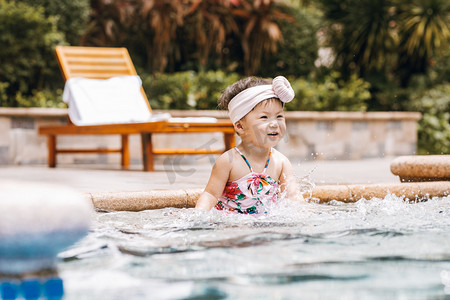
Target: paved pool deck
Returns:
[173, 174]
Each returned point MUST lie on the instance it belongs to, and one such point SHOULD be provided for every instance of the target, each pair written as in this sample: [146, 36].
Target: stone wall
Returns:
[350, 135]
[311, 135]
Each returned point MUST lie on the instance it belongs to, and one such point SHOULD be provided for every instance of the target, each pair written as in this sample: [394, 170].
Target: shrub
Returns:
[332, 94]
[44, 98]
[3, 92]
[298, 51]
[27, 40]
[209, 86]
[434, 127]
[439, 71]
[169, 91]
[386, 94]
[191, 90]
[187, 90]
[71, 16]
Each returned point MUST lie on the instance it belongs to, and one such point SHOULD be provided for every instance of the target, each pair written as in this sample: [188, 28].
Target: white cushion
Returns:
[107, 101]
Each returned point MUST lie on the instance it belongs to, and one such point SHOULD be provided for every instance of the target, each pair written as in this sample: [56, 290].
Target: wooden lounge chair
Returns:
[104, 63]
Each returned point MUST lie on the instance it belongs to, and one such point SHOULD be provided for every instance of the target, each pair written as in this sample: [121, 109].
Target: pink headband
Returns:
[245, 101]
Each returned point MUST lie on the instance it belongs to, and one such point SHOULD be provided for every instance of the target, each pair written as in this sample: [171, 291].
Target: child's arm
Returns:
[288, 182]
[216, 184]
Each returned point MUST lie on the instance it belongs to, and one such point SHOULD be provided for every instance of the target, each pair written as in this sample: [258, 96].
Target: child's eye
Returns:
[280, 116]
[263, 117]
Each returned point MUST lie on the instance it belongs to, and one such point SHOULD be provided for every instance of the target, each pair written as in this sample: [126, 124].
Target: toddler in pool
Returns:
[244, 179]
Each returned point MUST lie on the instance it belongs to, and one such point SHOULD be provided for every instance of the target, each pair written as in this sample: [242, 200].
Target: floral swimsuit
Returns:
[250, 193]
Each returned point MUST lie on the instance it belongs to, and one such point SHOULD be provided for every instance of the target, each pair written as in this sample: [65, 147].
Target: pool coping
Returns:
[186, 198]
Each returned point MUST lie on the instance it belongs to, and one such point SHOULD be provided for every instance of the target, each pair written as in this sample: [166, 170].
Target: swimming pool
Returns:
[371, 249]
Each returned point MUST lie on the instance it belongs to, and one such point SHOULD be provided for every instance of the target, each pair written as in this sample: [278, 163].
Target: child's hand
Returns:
[206, 201]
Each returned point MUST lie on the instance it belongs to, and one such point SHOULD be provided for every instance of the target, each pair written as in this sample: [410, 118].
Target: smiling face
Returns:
[264, 126]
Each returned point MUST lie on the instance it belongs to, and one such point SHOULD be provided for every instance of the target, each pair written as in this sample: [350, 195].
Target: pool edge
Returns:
[186, 198]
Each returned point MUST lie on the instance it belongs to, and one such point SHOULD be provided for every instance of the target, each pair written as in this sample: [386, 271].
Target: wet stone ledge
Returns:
[422, 168]
[156, 199]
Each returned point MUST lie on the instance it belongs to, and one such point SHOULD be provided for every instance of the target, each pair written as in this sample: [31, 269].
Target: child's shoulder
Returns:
[226, 158]
[277, 154]
[281, 159]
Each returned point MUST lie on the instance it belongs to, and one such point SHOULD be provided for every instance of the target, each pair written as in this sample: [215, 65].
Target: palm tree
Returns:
[424, 28]
[160, 32]
[260, 31]
[210, 23]
[160, 21]
[361, 33]
[108, 20]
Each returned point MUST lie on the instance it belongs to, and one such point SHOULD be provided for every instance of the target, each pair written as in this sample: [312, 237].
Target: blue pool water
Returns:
[371, 249]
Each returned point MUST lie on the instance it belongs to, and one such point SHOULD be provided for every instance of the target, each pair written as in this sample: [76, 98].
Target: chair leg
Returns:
[51, 145]
[147, 152]
[125, 151]
[229, 140]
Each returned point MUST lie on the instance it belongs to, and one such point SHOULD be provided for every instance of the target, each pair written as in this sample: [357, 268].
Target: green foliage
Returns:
[71, 16]
[44, 98]
[169, 91]
[386, 94]
[298, 51]
[395, 37]
[434, 127]
[191, 90]
[3, 92]
[331, 94]
[209, 86]
[27, 60]
[187, 90]
[439, 71]
[361, 34]
[423, 29]
[173, 35]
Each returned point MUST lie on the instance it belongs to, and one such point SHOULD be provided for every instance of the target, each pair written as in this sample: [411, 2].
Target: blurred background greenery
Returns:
[340, 55]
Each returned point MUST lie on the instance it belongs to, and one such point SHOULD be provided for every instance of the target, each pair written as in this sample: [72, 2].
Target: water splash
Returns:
[299, 245]
[306, 185]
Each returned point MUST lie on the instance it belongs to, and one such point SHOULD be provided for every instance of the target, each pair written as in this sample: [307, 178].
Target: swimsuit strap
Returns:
[248, 164]
[268, 160]
[246, 161]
